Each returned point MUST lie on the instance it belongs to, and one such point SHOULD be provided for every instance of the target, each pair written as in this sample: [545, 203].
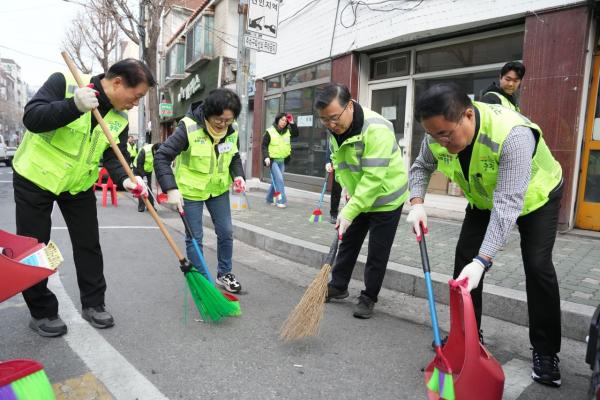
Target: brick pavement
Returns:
[576, 258]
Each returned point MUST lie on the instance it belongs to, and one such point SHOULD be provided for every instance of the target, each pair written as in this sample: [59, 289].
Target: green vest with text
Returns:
[67, 158]
[505, 102]
[199, 172]
[370, 166]
[495, 124]
[132, 150]
[148, 158]
[279, 145]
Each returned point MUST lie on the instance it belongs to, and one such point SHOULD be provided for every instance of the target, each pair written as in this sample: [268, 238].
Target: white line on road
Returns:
[64, 228]
[121, 378]
[517, 376]
[6, 181]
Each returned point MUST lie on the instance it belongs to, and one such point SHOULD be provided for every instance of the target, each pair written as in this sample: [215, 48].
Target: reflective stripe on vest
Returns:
[361, 156]
[67, 158]
[496, 122]
[505, 102]
[279, 145]
[199, 172]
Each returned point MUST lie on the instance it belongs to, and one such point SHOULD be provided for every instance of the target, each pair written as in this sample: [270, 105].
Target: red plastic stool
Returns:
[477, 374]
[109, 185]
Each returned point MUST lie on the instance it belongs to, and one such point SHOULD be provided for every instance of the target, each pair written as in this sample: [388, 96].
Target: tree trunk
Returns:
[152, 110]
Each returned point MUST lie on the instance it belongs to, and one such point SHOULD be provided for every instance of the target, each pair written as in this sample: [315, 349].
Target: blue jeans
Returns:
[220, 213]
[277, 169]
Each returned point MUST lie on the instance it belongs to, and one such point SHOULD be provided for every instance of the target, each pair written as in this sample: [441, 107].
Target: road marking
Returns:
[9, 304]
[6, 181]
[121, 378]
[517, 376]
[64, 228]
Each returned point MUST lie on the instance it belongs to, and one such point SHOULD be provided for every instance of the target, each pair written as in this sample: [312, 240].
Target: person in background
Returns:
[144, 165]
[501, 162]
[511, 75]
[368, 165]
[206, 145]
[336, 188]
[276, 151]
[58, 162]
[132, 150]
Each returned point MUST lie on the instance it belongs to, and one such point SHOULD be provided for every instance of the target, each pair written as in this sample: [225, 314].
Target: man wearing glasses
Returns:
[368, 164]
[206, 141]
[501, 162]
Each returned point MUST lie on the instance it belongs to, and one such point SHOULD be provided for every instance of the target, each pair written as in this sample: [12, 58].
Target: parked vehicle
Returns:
[7, 153]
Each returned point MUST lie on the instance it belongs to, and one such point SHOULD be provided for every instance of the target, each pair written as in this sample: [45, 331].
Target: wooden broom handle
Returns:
[122, 160]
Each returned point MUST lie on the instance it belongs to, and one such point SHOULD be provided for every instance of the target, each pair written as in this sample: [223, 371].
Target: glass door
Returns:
[588, 193]
[392, 100]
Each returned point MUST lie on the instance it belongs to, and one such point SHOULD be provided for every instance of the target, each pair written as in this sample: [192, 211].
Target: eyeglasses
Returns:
[335, 119]
[221, 121]
[446, 137]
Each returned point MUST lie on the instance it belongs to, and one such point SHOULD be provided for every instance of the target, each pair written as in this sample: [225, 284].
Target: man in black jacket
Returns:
[58, 162]
[511, 75]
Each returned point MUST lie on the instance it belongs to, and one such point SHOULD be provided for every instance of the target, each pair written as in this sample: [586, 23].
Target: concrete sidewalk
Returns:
[288, 233]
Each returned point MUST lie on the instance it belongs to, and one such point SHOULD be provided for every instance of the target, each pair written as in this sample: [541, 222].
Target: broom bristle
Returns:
[305, 318]
[211, 303]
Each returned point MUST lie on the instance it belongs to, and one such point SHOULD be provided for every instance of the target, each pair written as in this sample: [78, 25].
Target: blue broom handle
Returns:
[430, 299]
[323, 190]
[196, 246]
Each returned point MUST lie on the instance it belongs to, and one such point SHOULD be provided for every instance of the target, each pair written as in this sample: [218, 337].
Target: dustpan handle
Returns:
[462, 318]
[429, 286]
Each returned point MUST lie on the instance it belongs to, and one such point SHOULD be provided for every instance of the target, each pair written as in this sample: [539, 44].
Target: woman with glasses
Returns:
[277, 150]
[206, 146]
[501, 162]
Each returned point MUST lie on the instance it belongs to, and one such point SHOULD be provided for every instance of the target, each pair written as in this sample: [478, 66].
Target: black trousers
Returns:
[381, 227]
[336, 193]
[538, 233]
[33, 214]
[148, 176]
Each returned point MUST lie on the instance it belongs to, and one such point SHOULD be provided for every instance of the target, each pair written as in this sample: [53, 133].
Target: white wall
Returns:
[307, 37]
[226, 20]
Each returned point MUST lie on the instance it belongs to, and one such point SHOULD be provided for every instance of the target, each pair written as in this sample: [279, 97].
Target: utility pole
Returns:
[241, 84]
[142, 35]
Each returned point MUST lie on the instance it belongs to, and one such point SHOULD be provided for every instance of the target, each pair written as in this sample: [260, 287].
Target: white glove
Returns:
[85, 98]
[416, 217]
[239, 184]
[328, 167]
[267, 161]
[472, 272]
[137, 188]
[342, 225]
[345, 195]
[174, 197]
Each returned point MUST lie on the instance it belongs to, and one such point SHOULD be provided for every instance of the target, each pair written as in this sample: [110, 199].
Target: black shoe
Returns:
[98, 317]
[445, 339]
[364, 308]
[333, 219]
[48, 327]
[545, 369]
[141, 208]
[335, 293]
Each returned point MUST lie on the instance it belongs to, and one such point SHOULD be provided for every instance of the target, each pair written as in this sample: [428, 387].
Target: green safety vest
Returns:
[506, 102]
[370, 166]
[148, 158]
[495, 124]
[279, 145]
[67, 158]
[132, 150]
[199, 172]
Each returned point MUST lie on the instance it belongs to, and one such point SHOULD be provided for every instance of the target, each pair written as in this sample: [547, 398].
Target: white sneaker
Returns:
[280, 205]
[229, 283]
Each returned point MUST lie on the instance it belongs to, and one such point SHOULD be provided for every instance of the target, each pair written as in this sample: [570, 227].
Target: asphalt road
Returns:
[159, 350]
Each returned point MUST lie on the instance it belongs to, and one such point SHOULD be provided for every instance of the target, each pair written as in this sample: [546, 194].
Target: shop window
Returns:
[390, 66]
[308, 74]
[468, 54]
[274, 83]
[271, 109]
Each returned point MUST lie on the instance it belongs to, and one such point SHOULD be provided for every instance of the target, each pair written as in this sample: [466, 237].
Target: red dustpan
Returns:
[477, 374]
[15, 276]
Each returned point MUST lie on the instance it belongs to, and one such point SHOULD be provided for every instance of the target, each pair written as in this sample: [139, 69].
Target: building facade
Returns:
[13, 97]
[388, 54]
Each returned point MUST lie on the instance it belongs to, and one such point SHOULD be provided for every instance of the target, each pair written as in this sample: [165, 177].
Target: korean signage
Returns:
[263, 17]
[192, 87]
[165, 110]
[260, 44]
